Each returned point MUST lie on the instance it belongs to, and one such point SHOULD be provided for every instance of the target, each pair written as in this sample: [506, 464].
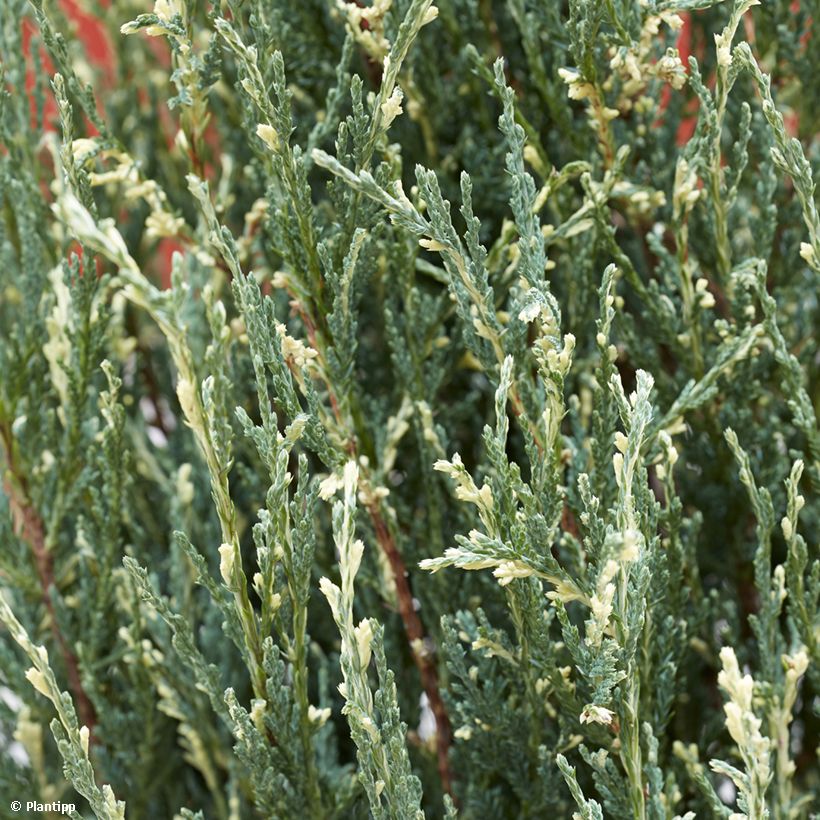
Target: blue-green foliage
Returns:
[506, 311]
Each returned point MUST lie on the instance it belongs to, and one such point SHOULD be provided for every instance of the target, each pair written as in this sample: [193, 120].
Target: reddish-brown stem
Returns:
[29, 527]
[415, 635]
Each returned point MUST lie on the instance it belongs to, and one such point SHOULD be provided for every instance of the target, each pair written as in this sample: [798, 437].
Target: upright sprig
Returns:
[767, 758]
[788, 156]
[72, 738]
[393, 791]
[725, 78]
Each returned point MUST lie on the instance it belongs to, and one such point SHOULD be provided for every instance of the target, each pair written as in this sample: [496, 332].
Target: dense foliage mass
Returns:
[410, 410]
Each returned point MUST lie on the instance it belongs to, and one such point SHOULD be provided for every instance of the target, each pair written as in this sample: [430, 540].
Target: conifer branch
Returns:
[29, 527]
